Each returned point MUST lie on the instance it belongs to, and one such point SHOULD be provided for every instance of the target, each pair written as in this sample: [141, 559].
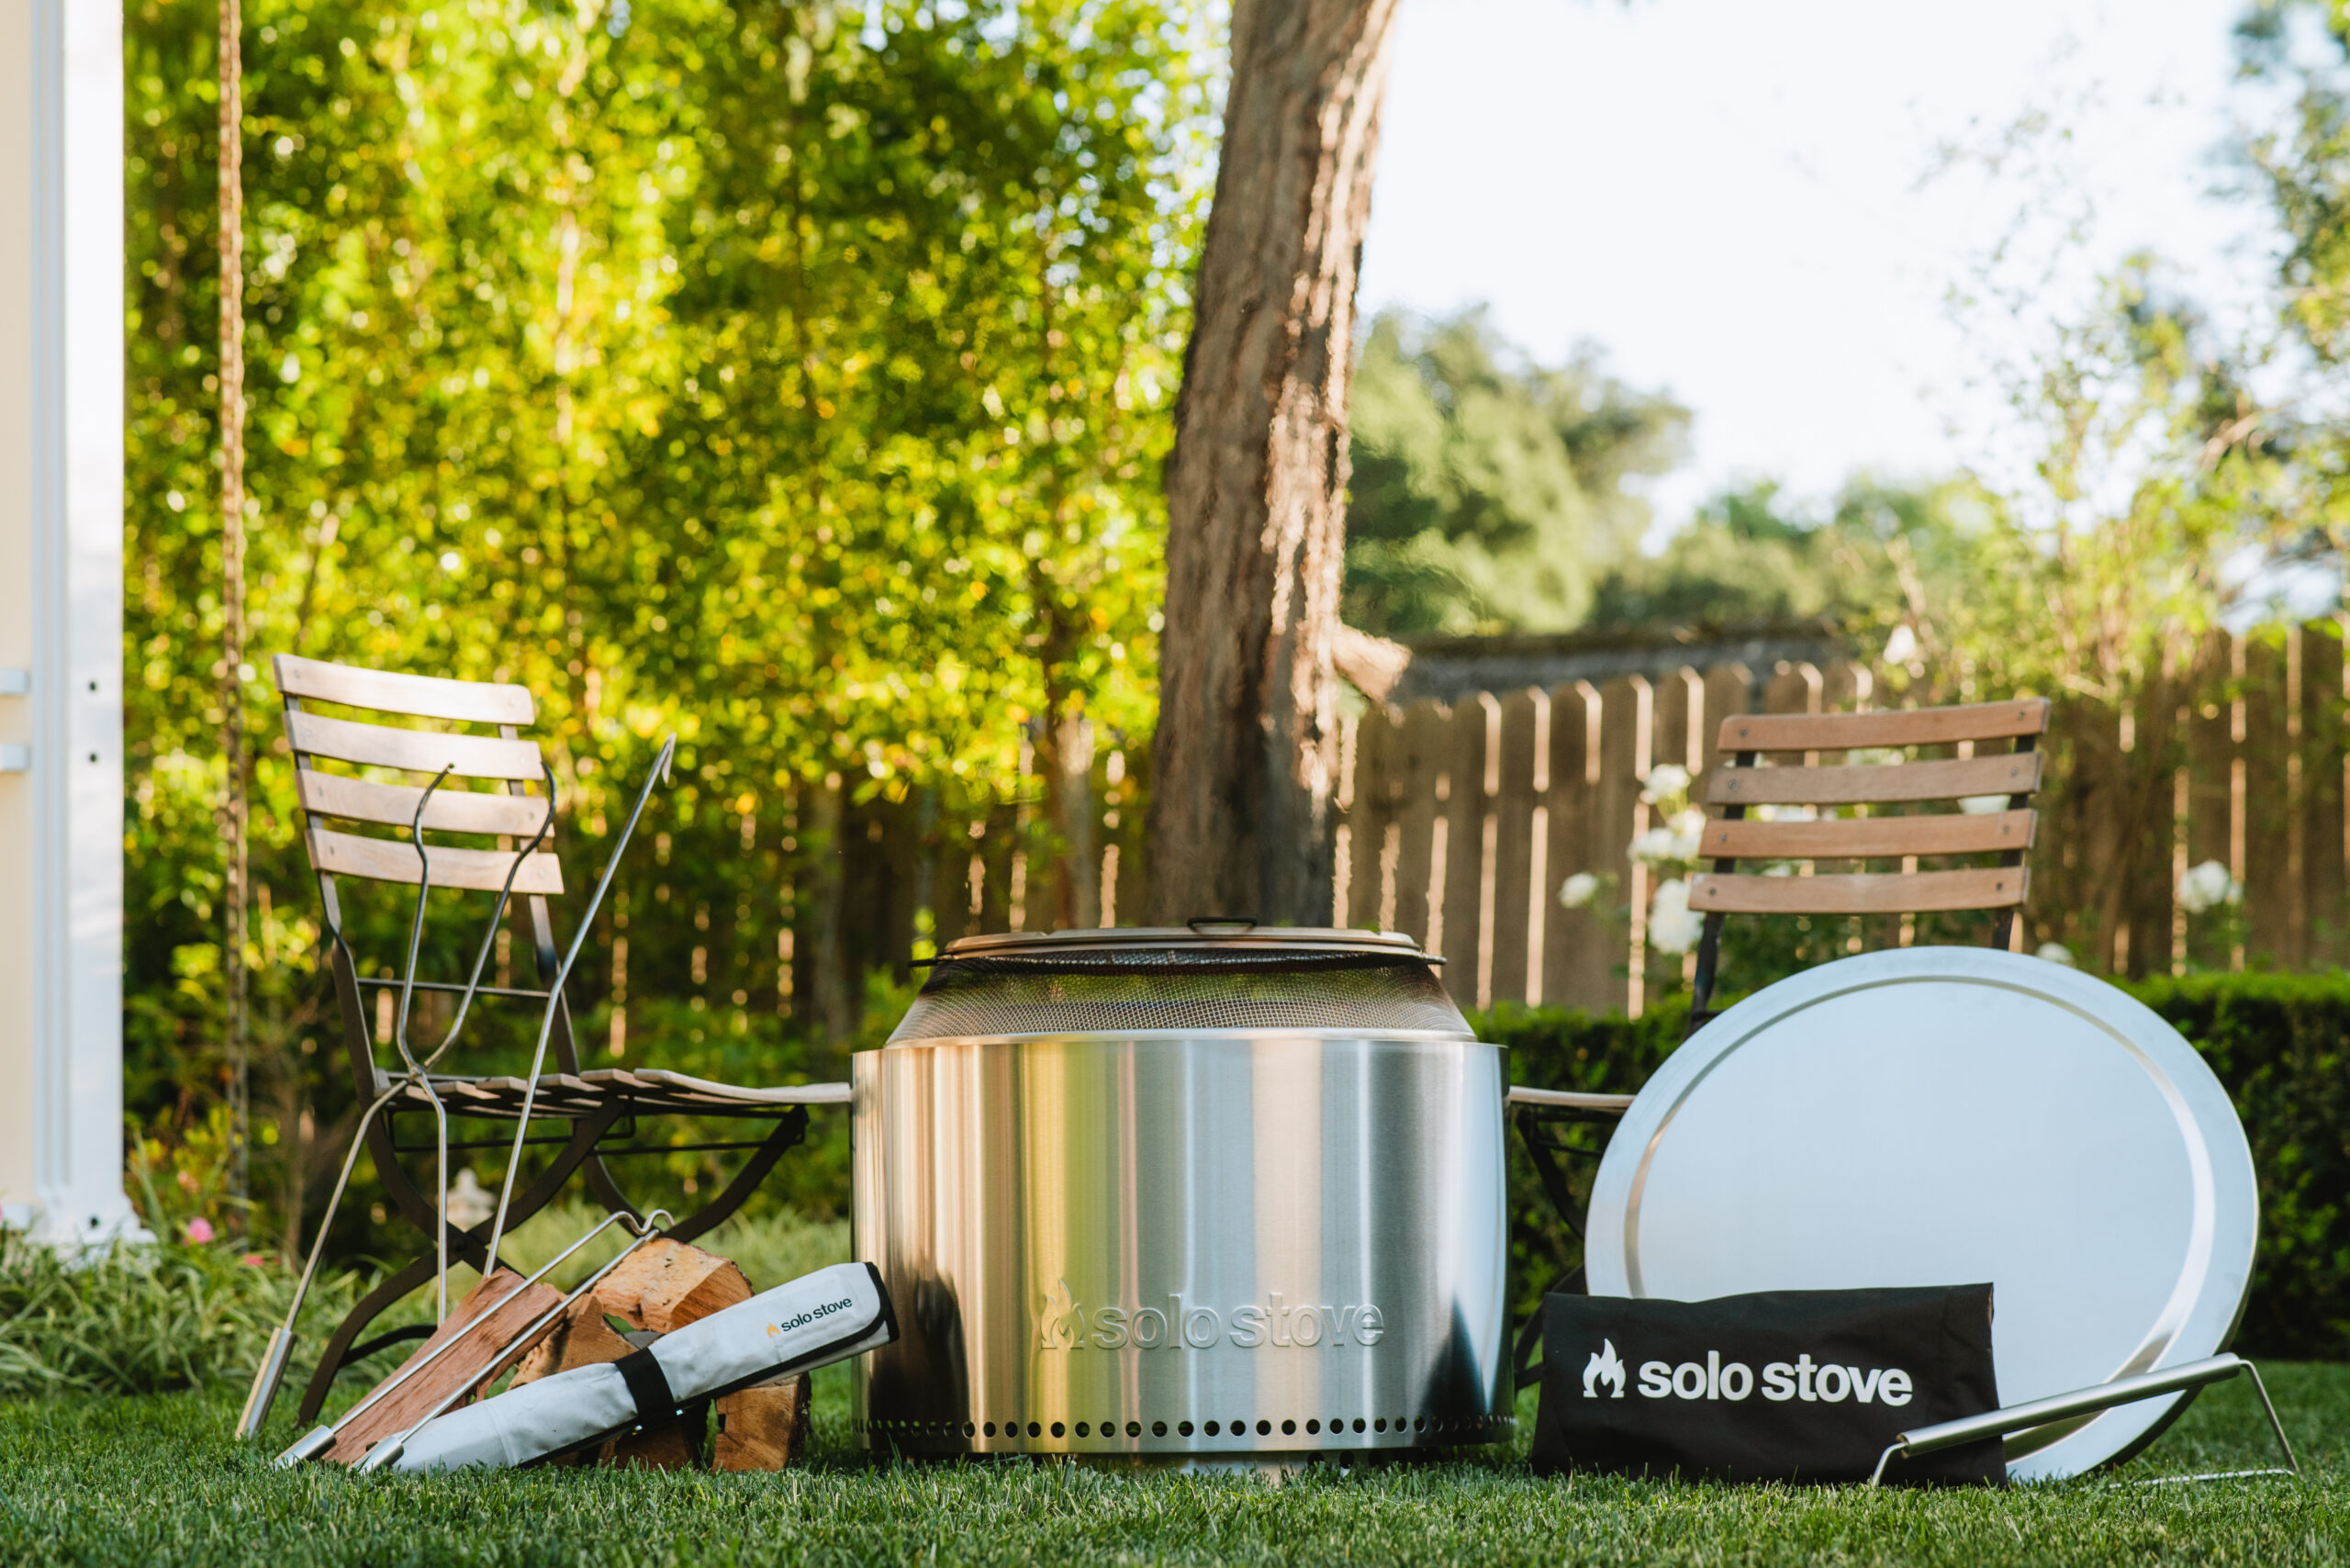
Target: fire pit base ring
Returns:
[1225, 1451]
[1283, 1443]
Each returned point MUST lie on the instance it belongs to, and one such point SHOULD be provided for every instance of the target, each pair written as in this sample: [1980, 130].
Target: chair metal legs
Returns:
[466, 1246]
[330, 1360]
[1534, 1125]
[578, 1154]
[789, 1130]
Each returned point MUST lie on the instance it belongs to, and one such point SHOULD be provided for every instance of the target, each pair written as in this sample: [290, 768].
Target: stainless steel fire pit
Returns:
[1225, 1192]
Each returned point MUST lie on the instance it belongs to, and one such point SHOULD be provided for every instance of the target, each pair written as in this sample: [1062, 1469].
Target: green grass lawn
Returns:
[156, 1480]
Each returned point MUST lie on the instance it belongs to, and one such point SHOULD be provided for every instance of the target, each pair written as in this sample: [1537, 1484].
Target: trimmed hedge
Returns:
[2279, 1043]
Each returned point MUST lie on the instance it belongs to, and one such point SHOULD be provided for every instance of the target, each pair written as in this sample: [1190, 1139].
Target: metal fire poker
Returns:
[271, 1371]
[660, 775]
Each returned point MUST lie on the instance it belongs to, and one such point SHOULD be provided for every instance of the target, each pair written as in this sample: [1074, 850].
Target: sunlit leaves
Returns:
[795, 378]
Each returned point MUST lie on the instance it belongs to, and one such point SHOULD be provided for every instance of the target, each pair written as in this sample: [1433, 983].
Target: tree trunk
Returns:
[1247, 724]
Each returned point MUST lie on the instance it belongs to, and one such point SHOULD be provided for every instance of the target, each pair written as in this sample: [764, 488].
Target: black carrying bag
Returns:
[1782, 1385]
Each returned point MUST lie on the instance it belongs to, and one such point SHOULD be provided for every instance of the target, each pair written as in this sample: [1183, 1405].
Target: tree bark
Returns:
[1248, 725]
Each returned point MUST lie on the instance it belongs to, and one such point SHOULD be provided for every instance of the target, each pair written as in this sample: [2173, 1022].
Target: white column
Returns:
[60, 618]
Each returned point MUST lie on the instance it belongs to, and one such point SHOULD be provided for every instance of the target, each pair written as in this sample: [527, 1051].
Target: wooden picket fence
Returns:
[1460, 823]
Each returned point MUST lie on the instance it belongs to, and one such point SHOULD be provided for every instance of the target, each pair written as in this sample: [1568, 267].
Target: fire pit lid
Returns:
[1212, 975]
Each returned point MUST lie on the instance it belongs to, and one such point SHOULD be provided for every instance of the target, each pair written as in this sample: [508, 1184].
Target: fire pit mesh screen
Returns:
[1117, 992]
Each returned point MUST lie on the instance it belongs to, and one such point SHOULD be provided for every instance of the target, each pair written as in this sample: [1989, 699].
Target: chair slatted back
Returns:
[1791, 780]
[509, 813]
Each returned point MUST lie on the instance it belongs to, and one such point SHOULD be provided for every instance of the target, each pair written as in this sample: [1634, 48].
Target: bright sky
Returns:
[1736, 200]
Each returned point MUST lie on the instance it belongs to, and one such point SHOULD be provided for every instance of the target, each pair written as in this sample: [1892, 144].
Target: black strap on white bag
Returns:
[1785, 1385]
[656, 1403]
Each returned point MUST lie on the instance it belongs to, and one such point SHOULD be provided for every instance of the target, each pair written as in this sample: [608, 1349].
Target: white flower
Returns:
[1652, 847]
[1902, 647]
[1677, 838]
[1578, 890]
[1688, 832]
[2055, 953]
[1981, 805]
[1664, 782]
[1674, 928]
[1786, 814]
[2207, 887]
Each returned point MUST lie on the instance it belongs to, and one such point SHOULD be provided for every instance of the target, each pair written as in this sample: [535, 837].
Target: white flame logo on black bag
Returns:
[1605, 1366]
[1804, 1379]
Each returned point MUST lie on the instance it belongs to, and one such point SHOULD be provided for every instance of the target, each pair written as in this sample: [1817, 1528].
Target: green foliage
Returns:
[2280, 1043]
[1489, 490]
[146, 1320]
[140, 1320]
[1489, 495]
[159, 1481]
[795, 379]
[1748, 557]
[2155, 467]
[2304, 45]
[180, 1182]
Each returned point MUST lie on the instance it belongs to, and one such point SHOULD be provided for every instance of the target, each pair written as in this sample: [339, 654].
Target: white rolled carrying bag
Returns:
[814, 1321]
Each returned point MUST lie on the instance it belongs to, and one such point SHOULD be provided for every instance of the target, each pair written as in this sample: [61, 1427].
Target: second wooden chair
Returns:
[1995, 824]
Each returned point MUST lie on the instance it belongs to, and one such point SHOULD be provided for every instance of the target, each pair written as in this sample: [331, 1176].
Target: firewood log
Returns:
[764, 1426]
[481, 1357]
[665, 1286]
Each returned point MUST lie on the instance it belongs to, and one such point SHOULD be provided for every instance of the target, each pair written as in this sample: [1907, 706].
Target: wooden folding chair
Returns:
[1796, 779]
[1838, 794]
[598, 1104]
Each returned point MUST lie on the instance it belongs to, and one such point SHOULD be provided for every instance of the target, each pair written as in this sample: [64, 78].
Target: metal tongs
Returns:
[320, 1440]
[271, 1371]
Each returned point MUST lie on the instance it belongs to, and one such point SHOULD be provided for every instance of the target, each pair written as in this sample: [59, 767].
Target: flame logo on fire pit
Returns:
[1060, 1322]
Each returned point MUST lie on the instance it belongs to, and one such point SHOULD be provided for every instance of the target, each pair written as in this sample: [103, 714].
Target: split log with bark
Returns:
[658, 1290]
[471, 1364]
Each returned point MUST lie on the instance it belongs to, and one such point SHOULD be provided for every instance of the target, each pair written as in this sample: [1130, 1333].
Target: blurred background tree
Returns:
[1489, 490]
[1754, 555]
